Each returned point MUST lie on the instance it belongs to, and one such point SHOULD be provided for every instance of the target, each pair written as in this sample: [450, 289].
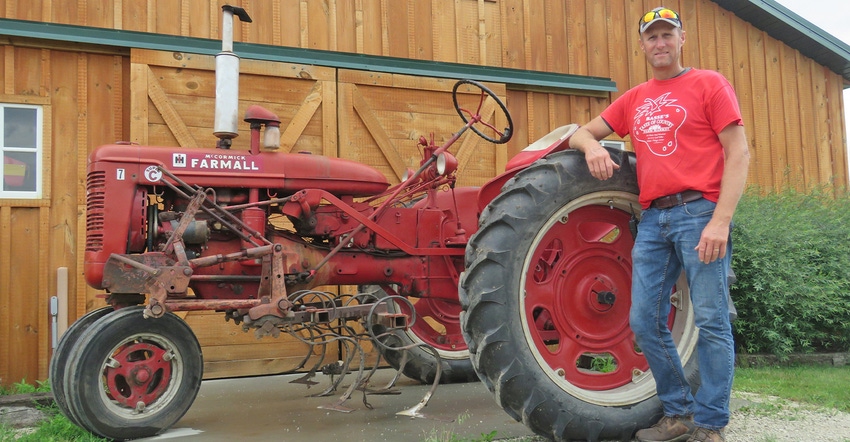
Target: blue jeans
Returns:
[663, 248]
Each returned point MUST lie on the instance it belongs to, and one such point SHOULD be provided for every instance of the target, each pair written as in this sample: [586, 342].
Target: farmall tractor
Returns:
[525, 281]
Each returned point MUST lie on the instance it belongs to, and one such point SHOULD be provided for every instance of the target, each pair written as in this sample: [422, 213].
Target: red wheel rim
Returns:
[438, 324]
[138, 373]
[578, 296]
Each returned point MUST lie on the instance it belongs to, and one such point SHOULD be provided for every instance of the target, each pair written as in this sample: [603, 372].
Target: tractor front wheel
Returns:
[131, 377]
[62, 354]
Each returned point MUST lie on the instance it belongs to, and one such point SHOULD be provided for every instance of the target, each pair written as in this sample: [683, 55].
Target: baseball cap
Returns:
[659, 14]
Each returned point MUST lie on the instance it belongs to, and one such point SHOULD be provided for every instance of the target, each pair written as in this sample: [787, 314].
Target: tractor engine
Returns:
[134, 207]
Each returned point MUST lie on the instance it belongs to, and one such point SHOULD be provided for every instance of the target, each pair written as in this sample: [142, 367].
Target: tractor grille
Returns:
[95, 197]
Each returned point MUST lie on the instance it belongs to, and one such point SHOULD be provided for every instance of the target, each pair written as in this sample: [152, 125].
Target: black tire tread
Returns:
[497, 346]
[82, 377]
[59, 361]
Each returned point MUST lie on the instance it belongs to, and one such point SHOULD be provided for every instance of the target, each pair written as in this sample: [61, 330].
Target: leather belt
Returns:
[666, 202]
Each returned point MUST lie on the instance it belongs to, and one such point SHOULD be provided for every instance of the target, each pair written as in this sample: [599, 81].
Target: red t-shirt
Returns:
[673, 126]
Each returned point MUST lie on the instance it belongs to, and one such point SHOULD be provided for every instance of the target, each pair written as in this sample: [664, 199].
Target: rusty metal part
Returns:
[151, 273]
[392, 321]
[272, 287]
[232, 222]
[269, 327]
[185, 305]
[225, 278]
[416, 410]
[308, 315]
[170, 279]
[306, 379]
[175, 241]
[122, 300]
[387, 389]
[253, 253]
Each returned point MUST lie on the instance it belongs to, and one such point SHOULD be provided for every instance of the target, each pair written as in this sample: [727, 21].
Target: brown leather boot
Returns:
[706, 435]
[668, 429]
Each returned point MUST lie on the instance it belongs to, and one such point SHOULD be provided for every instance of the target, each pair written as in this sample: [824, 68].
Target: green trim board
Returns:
[515, 78]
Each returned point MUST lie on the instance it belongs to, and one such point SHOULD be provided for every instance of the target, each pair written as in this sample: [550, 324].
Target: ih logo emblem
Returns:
[178, 160]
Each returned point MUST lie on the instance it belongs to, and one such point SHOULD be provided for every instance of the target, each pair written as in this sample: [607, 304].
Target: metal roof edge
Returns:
[376, 63]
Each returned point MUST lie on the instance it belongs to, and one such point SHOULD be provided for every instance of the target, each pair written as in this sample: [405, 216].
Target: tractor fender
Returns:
[554, 141]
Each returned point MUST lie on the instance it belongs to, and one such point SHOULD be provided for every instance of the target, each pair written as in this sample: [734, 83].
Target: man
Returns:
[692, 160]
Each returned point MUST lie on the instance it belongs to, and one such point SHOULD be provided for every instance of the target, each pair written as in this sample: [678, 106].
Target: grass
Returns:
[445, 433]
[823, 386]
[24, 387]
[56, 428]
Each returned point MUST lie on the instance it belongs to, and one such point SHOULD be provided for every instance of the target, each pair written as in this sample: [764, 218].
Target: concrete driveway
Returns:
[273, 408]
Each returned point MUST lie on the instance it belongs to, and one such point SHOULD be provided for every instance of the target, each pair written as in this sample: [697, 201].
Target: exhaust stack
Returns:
[227, 80]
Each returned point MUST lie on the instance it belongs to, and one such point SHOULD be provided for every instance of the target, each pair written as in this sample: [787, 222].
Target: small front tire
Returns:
[64, 351]
[132, 377]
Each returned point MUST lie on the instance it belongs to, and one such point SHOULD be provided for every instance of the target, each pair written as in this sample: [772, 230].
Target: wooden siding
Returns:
[585, 37]
[792, 106]
[384, 133]
[81, 94]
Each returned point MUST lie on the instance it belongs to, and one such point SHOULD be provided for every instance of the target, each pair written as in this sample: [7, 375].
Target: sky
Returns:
[833, 16]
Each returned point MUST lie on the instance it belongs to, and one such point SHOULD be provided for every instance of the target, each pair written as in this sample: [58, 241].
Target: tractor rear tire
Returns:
[131, 377]
[546, 295]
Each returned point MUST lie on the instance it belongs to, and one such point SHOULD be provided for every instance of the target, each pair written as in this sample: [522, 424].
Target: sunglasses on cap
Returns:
[665, 14]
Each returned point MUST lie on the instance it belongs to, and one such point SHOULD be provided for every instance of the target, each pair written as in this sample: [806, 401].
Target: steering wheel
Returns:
[504, 135]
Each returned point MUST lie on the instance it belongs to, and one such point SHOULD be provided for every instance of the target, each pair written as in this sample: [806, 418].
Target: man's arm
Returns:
[586, 139]
[712, 243]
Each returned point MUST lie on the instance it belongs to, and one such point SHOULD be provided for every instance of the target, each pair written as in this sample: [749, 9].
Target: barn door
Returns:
[172, 104]
[369, 117]
[382, 116]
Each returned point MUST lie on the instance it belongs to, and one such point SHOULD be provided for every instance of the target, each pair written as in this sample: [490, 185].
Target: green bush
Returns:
[792, 260]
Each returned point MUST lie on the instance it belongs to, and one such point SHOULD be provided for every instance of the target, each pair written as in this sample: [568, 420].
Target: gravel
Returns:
[758, 418]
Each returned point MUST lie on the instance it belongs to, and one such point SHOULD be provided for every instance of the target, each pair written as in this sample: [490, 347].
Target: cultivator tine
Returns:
[416, 410]
[306, 379]
[364, 385]
[334, 384]
[350, 339]
[368, 377]
[338, 405]
[388, 389]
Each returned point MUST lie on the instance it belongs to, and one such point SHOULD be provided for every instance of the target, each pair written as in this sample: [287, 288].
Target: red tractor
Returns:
[525, 281]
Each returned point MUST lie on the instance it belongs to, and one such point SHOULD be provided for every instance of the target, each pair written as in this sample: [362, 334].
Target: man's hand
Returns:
[600, 163]
[712, 242]
[586, 139]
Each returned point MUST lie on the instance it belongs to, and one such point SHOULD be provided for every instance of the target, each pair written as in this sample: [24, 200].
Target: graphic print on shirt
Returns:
[657, 123]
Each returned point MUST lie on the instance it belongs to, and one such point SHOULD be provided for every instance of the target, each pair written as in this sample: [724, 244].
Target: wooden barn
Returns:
[357, 79]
